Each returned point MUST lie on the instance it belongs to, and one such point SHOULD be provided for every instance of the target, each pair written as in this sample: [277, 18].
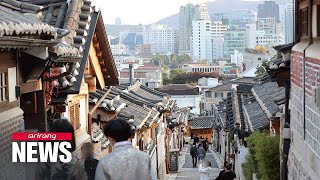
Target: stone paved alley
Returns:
[186, 172]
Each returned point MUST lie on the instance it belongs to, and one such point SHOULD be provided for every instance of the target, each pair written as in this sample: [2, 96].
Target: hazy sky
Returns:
[140, 11]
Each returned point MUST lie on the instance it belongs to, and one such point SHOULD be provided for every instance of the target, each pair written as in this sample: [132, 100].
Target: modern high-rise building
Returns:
[234, 39]
[251, 34]
[201, 40]
[132, 37]
[207, 40]
[218, 29]
[201, 12]
[268, 9]
[289, 22]
[186, 16]
[119, 49]
[161, 38]
[269, 32]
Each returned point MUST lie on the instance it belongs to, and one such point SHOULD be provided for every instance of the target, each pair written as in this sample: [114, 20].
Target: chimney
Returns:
[131, 74]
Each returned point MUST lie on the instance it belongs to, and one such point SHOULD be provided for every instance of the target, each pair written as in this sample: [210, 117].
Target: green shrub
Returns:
[263, 157]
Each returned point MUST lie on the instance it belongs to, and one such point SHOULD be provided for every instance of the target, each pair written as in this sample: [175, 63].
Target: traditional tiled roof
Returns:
[78, 23]
[179, 89]
[62, 49]
[201, 123]
[149, 95]
[136, 108]
[14, 23]
[266, 95]
[280, 62]
[256, 117]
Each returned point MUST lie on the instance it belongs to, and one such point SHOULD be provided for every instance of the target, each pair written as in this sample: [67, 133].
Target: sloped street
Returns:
[187, 172]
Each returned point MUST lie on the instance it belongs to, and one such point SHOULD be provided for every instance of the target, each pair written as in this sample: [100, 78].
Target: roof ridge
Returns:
[23, 7]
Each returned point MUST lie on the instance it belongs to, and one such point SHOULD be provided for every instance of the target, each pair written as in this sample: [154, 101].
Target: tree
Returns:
[176, 72]
[260, 68]
[183, 58]
[263, 157]
[163, 59]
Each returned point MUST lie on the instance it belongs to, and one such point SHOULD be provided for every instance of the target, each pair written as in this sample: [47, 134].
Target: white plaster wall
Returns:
[188, 101]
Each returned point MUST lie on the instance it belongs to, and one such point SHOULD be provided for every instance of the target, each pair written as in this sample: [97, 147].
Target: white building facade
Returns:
[270, 32]
[201, 12]
[162, 39]
[119, 49]
[201, 40]
[205, 68]
[218, 29]
[207, 40]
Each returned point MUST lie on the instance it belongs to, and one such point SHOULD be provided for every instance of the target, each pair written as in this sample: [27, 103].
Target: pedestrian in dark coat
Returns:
[194, 154]
[228, 174]
[201, 152]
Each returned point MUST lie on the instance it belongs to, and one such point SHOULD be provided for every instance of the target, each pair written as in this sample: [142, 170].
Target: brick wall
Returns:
[9, 170]
[296, 68]
[304, 155]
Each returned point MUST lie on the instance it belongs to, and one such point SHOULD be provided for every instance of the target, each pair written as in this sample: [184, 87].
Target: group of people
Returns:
[198, 153]
[201, 141]
[136, 163]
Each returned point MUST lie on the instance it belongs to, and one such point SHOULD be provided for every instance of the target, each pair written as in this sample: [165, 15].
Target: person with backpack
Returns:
[201, 152]
[194, 154]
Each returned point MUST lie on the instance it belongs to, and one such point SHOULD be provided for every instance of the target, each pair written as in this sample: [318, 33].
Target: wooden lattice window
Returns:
[3, 86]
[74, 116]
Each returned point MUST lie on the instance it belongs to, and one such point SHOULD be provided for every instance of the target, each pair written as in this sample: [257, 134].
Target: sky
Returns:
[140, 11]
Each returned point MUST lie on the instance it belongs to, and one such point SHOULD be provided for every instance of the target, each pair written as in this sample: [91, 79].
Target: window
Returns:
[218, 95]
[3, 86]
[208, 94]
[74, 111]
[304, 21]
[318, 20]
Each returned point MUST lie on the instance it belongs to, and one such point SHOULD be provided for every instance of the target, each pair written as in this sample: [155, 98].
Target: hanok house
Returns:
[201, 127]
[304, 154]
[185, 95]
[145, 109]
[248, 108]
[27, 46]
[279, 71]
[94, 69]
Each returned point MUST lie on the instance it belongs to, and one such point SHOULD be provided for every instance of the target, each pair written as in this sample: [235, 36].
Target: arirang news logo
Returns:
[41, 147]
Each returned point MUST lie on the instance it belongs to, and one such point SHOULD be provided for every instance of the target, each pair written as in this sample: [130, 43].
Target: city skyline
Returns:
[135, 12]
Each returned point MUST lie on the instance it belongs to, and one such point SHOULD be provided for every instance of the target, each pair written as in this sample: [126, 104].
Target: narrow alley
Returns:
[187, 172]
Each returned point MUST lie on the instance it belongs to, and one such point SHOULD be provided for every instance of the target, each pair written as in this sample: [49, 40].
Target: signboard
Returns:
[173, 160]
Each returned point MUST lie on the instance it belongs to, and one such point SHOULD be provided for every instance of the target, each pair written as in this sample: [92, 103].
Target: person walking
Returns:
[205, 144]
[124, 162]
[228, 174]
[204, 169]
[90, 164]
[221, 172]
[196, 139]
[194, 154]
[201, 153]
[60, 170]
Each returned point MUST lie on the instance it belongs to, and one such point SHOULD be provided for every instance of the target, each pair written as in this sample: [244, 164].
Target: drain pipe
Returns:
[131, 74]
